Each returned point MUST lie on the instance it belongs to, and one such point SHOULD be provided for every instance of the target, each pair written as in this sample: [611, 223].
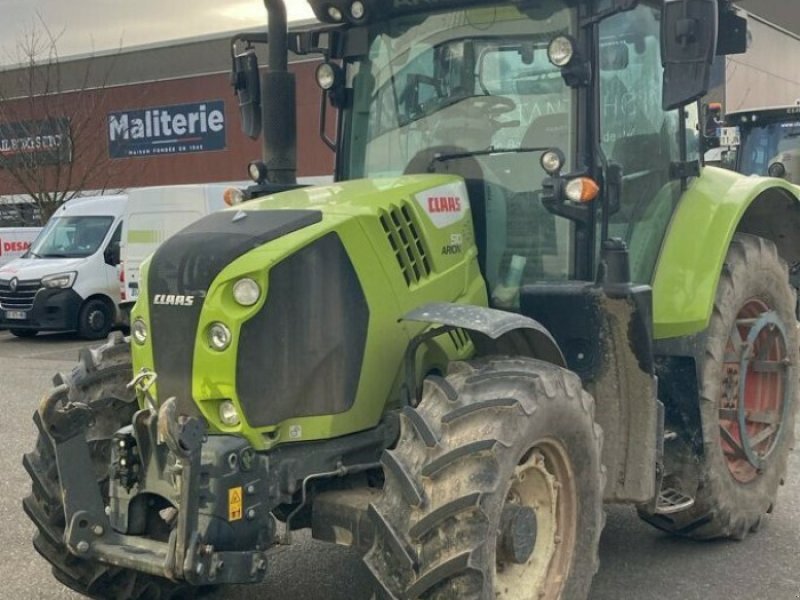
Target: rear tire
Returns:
[95, 319]
[24, 333]
[100, 381]
[496, 438]
[731, 495]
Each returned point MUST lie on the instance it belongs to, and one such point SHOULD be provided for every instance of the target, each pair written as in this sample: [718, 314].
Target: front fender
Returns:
[702, 228]
[494, 331]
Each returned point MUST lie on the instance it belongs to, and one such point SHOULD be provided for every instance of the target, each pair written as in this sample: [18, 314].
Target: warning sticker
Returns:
[235, 503]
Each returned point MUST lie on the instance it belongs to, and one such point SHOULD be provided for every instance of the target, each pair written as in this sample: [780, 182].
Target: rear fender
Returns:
[717, 205]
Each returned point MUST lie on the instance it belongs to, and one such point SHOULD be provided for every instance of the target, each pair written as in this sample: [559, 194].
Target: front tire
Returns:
[750, 367]
[495, 486]
[100, 381]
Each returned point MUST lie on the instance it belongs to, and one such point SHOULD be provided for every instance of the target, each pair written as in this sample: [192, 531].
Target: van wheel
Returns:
[95, 320]
[24, 333]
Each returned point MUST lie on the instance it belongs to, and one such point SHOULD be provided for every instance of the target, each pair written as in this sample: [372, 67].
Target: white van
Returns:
[153, 215]
[15, 242]
[67, 281]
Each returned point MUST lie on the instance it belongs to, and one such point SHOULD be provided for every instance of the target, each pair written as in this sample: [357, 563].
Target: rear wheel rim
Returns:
[544, 483]
[756, 390]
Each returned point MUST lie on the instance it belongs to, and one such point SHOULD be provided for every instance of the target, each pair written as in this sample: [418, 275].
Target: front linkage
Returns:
[139, 504]
[166, 455]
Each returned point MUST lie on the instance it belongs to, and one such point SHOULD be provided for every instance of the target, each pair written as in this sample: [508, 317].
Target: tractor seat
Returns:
[530, 227]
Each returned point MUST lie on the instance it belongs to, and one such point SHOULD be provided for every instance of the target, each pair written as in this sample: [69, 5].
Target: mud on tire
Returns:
[727, 507]
[453, 473]
[99, 380]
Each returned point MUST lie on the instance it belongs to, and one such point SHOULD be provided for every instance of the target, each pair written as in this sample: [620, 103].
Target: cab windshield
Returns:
[71, 237]
[472, 92]
[462, 81]
[765, 145]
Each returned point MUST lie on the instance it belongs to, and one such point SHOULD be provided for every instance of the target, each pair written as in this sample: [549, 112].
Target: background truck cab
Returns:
[67, 281]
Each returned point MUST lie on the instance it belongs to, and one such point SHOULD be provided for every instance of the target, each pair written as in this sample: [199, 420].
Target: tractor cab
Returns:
[765, 142]
[559, 115]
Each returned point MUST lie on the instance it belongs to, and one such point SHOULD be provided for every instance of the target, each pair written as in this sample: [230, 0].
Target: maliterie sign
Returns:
[35, 143]
[177, 129]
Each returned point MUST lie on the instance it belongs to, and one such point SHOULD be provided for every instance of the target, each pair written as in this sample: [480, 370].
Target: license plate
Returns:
[17, 315]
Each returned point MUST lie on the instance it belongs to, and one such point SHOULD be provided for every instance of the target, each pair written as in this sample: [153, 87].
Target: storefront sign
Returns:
[36, 143]
[178, 129]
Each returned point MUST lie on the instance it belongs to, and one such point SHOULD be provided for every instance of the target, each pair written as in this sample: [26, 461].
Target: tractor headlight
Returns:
[357, 10]
[553, 161]
[246, 292]
[219, 336]
[60, 281]
[561, 51]
[334, 13]
[326, 76]
[257, 171]
[228, 413]
[139, 331]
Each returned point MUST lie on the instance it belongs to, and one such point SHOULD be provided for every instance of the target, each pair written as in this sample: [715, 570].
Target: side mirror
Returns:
[733, 36]
[246, 82]
[112, 254]
[689, 30]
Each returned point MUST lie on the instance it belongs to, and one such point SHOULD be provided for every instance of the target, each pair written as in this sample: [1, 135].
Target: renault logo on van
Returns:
[13, 284]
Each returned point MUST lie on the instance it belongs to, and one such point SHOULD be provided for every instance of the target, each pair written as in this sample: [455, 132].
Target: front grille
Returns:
[22, 297]
[409, 249]
[186, 265]
[301, 354]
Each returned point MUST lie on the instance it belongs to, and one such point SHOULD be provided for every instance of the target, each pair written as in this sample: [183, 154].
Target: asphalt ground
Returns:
[637, 562]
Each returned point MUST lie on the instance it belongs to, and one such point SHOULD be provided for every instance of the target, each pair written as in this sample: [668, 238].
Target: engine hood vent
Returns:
[409, 248]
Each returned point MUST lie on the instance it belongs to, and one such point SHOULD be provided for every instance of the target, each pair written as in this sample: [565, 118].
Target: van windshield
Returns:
[71, 237]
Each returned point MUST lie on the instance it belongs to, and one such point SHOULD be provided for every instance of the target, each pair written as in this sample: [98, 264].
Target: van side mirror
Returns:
[689, 30]
[112, 254]
[246, 82]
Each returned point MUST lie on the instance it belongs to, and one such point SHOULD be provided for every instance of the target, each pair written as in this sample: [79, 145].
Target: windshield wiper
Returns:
[488, 152]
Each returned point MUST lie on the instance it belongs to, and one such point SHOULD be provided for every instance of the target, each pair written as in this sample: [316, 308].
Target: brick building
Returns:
[152, 115]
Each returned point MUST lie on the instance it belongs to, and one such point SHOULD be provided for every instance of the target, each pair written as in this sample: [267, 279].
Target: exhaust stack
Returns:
[278, 105]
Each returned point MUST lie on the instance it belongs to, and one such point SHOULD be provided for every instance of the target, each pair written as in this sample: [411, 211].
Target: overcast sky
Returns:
[96, 25]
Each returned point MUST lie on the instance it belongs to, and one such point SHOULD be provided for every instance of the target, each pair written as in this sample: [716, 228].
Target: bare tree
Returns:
[52, 124]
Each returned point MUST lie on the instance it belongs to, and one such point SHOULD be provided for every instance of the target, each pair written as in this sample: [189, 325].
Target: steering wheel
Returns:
[492, 106]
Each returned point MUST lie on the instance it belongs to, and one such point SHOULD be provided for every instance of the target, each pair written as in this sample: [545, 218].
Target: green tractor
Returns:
[763, 142]
[523, 297]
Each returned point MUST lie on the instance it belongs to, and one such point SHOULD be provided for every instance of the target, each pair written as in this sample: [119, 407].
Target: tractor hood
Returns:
[443, 198]
[335, 268]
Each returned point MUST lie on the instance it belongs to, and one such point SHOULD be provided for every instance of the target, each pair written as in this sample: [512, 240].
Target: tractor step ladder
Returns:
[672, 501]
